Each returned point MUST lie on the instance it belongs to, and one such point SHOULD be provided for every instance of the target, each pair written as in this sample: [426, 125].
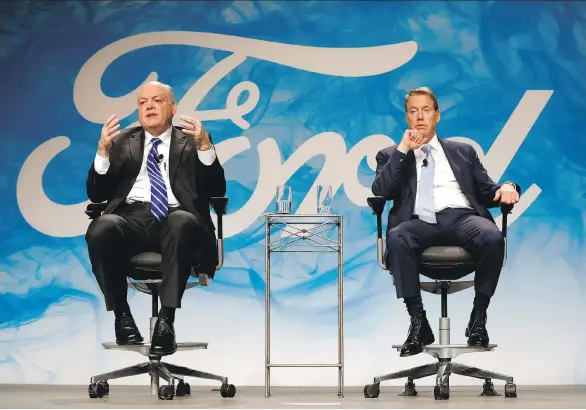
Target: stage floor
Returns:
[58, 396]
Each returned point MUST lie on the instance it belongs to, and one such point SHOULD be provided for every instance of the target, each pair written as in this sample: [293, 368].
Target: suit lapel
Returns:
[178, 143]
[136, 146]
[412, 172]
[452, 155]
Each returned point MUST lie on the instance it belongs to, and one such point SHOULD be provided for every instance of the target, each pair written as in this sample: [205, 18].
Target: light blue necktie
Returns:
[159, 202]
[426, 188]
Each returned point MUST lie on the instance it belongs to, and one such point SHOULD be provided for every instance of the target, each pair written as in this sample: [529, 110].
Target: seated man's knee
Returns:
[493, 238]
[104, 228]
[180, 221]
[396, 239]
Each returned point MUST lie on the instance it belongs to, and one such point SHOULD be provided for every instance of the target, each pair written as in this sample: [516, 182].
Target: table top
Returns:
[303, 218]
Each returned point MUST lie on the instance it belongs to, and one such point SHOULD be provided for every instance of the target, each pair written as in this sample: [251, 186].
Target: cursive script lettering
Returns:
[340, 167]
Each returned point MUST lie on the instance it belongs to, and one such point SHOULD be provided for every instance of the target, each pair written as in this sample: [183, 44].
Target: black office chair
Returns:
[445, 265]
[145, 276]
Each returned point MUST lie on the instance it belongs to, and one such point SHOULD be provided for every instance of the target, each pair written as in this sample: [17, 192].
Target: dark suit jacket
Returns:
[396, 180]
[192, 182]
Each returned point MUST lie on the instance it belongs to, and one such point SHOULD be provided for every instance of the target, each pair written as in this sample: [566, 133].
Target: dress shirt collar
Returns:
[433, 143]
[165, 137]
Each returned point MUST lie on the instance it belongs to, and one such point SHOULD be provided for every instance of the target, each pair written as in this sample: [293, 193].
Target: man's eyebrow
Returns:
[155, 96]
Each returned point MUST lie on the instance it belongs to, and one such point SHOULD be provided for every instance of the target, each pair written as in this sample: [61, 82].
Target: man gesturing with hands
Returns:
[440, 193]
[157, 180]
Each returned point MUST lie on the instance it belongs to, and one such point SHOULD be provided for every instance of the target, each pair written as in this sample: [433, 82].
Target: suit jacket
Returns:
[396, 180]
[192, 182]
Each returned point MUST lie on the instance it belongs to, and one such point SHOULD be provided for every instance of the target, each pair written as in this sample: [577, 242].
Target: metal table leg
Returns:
[267, 308]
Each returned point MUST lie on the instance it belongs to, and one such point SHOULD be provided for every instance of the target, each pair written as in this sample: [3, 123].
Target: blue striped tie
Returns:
[426, 188]
[159, 203]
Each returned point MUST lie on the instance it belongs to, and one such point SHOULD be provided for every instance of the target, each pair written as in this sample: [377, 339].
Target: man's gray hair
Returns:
[163, 85]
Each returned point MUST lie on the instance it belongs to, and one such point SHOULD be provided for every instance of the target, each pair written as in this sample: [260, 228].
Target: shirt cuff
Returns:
[101, 164]
[207, 157]
[400, 150]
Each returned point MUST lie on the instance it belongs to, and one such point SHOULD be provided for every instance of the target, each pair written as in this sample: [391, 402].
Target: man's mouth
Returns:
[420, 126]
[151, 115]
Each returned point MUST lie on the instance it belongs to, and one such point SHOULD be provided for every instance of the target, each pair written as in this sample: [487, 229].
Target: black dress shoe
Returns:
[476, 330]
[420, 335]
[127, 332]
[163, 342]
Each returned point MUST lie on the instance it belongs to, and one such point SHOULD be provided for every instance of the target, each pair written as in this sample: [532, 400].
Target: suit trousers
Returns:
[455, 227]
[113, 238]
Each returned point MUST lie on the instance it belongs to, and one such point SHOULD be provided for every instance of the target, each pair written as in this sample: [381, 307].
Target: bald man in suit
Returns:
[157, 180]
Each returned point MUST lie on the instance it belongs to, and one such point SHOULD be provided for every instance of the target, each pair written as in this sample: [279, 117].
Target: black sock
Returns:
[481, 301]
[414, 305]
[167, 313]
[120, 308]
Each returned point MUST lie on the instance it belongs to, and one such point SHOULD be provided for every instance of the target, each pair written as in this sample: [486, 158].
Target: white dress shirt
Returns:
[141, 190]
[447, 192]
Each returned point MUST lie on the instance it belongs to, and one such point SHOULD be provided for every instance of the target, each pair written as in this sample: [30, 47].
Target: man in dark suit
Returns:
[157, 181]
[440, 193]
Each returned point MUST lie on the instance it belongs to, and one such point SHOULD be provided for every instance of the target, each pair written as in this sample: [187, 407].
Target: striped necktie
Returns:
[159, 203]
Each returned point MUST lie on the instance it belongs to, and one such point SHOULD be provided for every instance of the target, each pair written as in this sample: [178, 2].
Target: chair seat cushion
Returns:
[147, 261]
[446, 263]
[147, 266]
[445, 254]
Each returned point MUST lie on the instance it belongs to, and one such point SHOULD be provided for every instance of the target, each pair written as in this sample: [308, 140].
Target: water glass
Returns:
[324, 199]
[283, 202]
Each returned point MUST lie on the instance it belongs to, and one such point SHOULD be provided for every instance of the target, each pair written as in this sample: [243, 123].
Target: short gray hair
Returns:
[163, 85]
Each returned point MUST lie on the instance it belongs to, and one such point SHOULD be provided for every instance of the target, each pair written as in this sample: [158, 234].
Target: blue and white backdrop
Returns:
[300, 93]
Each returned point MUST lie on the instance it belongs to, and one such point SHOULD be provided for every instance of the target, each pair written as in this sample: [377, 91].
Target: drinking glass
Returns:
[324, 199]
[283, 200]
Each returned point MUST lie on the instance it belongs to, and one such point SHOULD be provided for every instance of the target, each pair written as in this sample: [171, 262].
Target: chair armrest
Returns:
[506, 209]
[94, 210]
[220, 205]
[377, 204]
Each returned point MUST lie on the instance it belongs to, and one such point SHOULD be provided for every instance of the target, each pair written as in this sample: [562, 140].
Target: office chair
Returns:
[445, 265]
[145, 276]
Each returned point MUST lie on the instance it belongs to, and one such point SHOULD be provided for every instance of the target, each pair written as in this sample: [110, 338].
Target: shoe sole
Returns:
[478, 344]
[424, 343]
[162, 353]
[131, 342]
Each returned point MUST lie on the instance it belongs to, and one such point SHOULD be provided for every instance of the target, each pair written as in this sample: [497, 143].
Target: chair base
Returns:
[442, 369]
[144, 348]
[157, 370]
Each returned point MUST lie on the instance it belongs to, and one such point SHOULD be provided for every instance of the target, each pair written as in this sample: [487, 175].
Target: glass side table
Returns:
[305, 233]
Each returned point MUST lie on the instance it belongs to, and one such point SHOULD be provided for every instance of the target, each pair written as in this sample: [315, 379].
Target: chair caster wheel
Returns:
[227, 390]
[409, 389]
[182, 389]
[441, 392]
[488, 389]
[510, 390]
[166, 392]
[99, 389]
[372, 391]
